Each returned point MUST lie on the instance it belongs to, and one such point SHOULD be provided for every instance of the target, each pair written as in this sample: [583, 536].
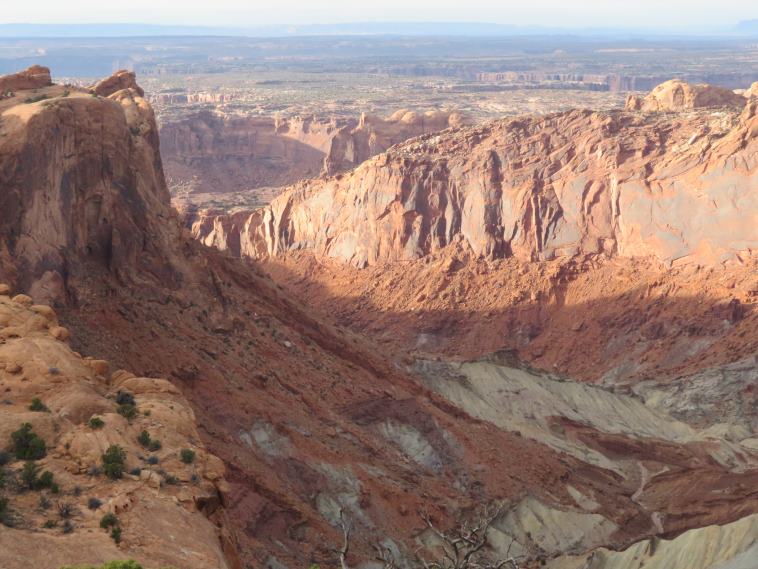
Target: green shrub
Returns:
[96, 423]
[2, 478]
[109, 520]
[5, 457]
[127, 410]
[116, 534]
[187, 456]
[31, 478]
[37, 405]
[29, 475]
[155, 446]
[113, 462]
[27, 445]
[144, 439]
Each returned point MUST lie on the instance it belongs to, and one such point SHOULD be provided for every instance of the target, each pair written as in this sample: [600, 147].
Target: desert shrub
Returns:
[29, 475]
[113, 462]
[187, 456]
[94, 503]
[116, 534]
[44, 502]
[27, 445]
[154, 446]
[125, 398]
[49, 524]
[136, 471]
[152, 460]
[32, 480]
[127, 410]
[5, 457]
[36, 99]
[68, 527]
[37, 405]
[96, 423]
[109, 520]
[2, 478]
[66, 510]
[6, 516]
[171, 480]
[144, 439]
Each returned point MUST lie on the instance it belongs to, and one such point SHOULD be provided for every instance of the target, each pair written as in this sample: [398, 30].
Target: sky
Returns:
[561, 13]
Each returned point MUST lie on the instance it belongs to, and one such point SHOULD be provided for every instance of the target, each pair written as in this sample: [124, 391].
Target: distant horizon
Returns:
[677, 15]
[748, 27]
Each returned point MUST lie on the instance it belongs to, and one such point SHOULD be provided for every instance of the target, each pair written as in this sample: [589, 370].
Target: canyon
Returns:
[208, 155]
[504, 313]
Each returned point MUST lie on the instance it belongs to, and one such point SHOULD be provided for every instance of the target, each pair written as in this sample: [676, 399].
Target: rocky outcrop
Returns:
[675, 188]
[676, 95]
[120, 80]
[77, 416]
[210, 153]
[35, 77]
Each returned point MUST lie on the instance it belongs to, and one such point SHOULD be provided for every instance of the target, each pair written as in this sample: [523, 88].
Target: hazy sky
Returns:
[648, 13]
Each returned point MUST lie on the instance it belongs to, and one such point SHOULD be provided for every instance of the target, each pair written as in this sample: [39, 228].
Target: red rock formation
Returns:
[676, 188]
[35, 77]
[120, 80]
[676, 95]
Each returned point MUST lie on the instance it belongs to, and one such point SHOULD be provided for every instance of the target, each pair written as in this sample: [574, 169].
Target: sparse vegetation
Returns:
[27, 445]
[6, 516]
[187, 456]
[96, 423]
[37, 405]
[125, 398]
[36, 99]
[152, 445]
[32, 480]
[66, 510]
[108, 520]
[127, 410]
[113, 462]
[111, 521]
[5, 457]
[94, 503]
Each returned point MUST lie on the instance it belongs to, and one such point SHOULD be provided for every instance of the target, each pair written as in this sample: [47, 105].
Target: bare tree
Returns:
[463, 547]
[383, 553]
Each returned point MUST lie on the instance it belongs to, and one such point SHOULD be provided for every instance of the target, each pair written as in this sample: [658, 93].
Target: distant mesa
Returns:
[677, 95]
[35, 77]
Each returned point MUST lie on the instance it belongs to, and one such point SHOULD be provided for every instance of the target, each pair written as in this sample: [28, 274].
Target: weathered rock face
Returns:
[676, 96]
[35, 77]
[209, 153]
[676, 188]
[100, 193]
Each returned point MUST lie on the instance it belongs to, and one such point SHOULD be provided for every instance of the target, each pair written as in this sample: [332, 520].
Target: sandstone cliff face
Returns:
[214, 154]
[676, 188]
